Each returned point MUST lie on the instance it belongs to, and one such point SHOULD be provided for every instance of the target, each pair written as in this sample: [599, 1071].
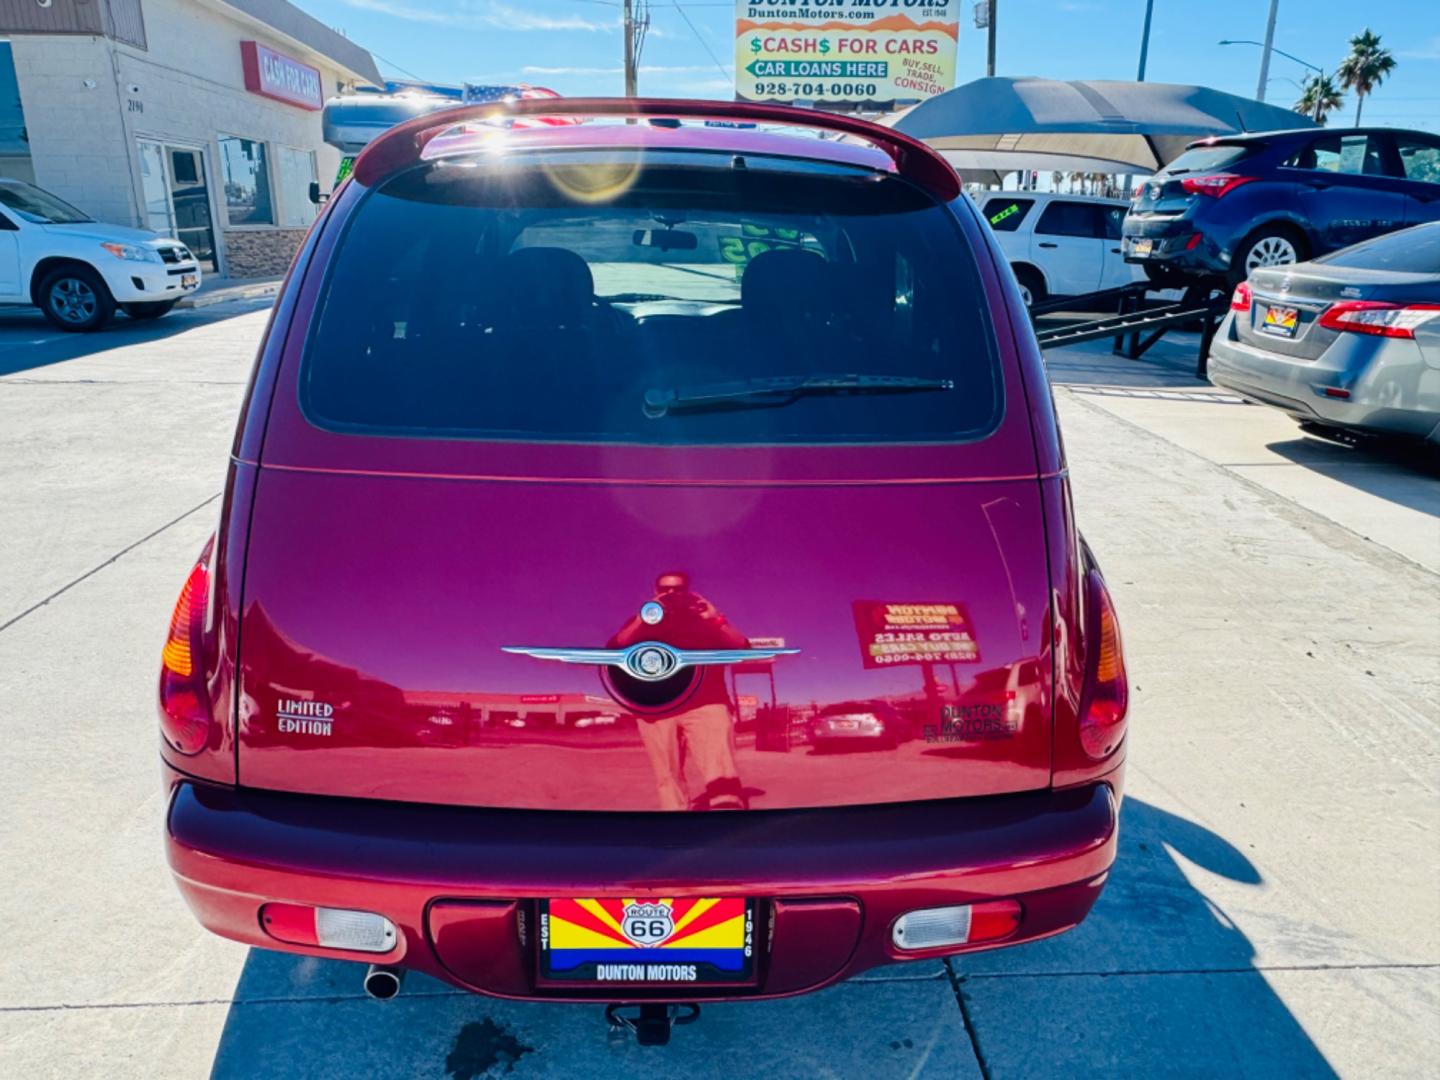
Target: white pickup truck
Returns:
[78, 270]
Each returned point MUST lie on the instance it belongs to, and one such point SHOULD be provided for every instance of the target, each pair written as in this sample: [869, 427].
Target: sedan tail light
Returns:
[1381, 319]
[184, 698]
[1102, 719]
[1215, 185]
[1240, 301]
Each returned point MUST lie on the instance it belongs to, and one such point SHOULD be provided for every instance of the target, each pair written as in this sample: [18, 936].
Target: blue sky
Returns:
[574, 46]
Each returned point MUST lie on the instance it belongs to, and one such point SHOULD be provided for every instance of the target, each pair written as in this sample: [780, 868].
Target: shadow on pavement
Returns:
[1157, 982]
[28, 340]
[301, 1017]
[1401, 473]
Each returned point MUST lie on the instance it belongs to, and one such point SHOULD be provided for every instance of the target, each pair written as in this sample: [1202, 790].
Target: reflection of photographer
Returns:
[701, 730]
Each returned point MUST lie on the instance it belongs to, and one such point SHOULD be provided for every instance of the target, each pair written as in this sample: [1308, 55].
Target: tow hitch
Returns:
[652, 1022]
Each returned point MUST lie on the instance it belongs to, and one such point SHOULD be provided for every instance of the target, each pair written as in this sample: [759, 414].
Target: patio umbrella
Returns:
[1001, 124]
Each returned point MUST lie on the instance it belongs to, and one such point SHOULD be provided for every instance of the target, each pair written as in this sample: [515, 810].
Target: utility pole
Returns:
[990, 46]
[1266, 50]
[1145, 40]
[630, 79]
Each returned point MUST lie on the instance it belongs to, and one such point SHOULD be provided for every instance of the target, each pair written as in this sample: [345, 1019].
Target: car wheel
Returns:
[75, 298]
[1032, 285]
[148, 311]
[1269, 247]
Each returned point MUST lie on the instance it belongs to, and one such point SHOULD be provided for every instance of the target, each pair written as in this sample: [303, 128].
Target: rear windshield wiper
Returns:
[779, 390]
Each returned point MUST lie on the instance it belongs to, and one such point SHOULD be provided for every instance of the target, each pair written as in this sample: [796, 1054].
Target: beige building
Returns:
[199, 119]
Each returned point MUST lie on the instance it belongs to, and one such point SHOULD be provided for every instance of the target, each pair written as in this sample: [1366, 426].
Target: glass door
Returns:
[190, 202]
[177, 198]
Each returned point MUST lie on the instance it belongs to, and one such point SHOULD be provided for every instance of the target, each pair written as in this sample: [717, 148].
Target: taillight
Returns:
[1381, 319]
[1240, 300]
[184, 699]
[1215, 185]
[1102, 724]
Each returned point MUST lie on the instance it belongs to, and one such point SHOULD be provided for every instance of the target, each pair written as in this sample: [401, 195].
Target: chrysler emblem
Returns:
[650, 661]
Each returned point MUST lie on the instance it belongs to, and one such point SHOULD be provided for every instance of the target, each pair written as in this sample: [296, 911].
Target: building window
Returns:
[296, 172]
[247, 182]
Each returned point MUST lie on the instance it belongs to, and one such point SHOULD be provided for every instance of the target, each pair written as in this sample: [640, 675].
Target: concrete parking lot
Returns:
[1275, 910]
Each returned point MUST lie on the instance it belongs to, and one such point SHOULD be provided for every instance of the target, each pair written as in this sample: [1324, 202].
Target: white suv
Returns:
[78, 270]
[1059, 245]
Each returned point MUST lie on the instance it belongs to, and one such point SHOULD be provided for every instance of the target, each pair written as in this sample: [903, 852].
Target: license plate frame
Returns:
[1280, 321]
[622, 963]
[188, 281]
[1141, 247]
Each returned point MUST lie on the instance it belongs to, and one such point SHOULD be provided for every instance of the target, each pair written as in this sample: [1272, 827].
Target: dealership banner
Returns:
[845, 53]
[921, 632]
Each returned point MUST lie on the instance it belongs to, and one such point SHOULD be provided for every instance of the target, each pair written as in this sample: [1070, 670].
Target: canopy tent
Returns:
[1002, 124]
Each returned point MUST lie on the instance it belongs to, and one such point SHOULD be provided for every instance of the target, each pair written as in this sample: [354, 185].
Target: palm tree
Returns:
[1365, 68]
[1320, 97]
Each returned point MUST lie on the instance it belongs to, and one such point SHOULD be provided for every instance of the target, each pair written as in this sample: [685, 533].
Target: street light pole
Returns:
[1145, 40]
[1319, 71]
[1265, 54]
[990, 46]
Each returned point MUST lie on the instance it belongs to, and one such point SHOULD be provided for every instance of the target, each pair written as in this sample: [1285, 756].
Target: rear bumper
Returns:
[461, 883]
[1174, 247]
[1392, 392]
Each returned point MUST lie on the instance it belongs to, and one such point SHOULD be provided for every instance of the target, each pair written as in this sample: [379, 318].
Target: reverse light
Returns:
[184, 699]
[1102, 724]
[131, 253]
[1380, 319]
[1215, 185]
[1240, 299]
[329, 928]
[963, 924]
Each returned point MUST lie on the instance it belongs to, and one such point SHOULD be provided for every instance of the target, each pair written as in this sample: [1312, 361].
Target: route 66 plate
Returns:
[1280, 321]
[647, 940]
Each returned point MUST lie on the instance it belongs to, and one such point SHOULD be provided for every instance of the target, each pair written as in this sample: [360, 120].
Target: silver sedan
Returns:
[1349, 341]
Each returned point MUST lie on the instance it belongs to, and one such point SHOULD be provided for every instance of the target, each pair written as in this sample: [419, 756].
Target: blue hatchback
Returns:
[1229, 205]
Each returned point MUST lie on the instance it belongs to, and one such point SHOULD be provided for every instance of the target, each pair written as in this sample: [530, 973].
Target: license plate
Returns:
[640, 941]
[1141, 248]
[845, 725]
[187, 281]
[1280, 321]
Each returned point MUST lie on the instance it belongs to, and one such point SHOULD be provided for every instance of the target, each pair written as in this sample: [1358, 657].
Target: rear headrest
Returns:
[549, 286]
[786, 279]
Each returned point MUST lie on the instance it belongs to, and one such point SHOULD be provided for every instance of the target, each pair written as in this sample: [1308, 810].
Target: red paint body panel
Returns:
[366, 586]
[424, 715]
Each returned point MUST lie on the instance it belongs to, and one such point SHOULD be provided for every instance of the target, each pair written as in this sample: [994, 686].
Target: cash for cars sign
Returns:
[845, 52]
[931, 632]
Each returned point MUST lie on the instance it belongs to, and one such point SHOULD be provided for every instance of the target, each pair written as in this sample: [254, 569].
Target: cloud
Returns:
[481, 15]
[1429, 50]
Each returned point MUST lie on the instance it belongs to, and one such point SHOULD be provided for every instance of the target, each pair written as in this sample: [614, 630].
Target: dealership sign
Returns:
[845, 52]
[275, 75]
[923, 632]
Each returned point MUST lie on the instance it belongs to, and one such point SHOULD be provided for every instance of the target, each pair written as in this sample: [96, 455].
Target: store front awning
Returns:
[1002, 124]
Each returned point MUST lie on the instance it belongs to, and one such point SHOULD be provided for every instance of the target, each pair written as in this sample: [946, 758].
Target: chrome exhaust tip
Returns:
[383, 982]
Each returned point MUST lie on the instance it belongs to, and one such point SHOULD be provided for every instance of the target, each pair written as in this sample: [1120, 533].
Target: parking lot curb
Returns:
[253, 291]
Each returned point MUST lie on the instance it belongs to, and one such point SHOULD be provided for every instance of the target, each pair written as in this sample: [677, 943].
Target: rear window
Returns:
[1210, 158]
[649, 301]
[1005, 215]
[1409, 251]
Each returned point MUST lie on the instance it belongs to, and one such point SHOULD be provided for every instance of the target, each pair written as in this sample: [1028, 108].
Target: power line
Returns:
[700, 38]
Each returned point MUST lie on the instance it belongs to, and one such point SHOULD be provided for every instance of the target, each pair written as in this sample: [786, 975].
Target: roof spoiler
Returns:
[404, 144]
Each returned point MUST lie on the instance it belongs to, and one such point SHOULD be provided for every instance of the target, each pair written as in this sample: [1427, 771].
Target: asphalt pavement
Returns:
[1275, 909]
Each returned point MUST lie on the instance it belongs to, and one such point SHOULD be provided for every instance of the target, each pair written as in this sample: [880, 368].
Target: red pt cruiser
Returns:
[583, 470]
